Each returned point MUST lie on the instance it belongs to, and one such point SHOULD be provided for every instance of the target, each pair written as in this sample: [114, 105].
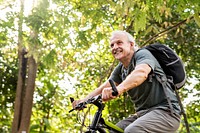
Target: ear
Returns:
[132, 44]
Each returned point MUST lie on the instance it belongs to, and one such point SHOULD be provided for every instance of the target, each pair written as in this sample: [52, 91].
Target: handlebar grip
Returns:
[115, 92]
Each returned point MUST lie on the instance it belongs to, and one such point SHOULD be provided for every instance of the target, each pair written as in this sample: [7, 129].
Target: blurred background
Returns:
[53, 49]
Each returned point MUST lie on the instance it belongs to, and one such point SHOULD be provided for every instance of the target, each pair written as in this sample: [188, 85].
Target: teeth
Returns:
[117, 51]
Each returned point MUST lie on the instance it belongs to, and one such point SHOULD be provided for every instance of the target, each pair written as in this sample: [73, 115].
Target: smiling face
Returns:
[122, 48]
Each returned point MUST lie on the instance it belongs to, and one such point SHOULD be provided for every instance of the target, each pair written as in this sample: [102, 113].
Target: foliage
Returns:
[8, 77]
[8, 72]
[73, 54]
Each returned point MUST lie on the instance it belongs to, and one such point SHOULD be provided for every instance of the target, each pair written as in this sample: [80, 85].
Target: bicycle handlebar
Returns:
[94, 99]
[115, 92]
[82, 105]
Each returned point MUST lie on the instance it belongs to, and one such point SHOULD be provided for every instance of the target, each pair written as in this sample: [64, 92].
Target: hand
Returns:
[76, 102]
[107, 94]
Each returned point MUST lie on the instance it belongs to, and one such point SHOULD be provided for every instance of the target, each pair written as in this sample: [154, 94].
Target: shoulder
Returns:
[143, 52]
[117, 69]
[144, 56]
[119, 66]
[116, 74]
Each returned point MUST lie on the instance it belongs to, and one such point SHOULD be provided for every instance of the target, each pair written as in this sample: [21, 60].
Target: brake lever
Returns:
[71, 110]
[71, 99]
[80, 106]
[93, 99]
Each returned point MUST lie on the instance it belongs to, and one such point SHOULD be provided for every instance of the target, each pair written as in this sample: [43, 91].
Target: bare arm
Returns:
[135, 78]
[96, 92]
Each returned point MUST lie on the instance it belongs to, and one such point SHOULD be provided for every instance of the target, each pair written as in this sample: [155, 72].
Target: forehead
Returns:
[118, 36]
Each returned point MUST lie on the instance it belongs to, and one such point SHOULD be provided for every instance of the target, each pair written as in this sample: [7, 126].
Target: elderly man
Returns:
[134, 75]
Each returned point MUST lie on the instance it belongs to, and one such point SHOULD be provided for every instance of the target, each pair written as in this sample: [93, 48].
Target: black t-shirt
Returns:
[150, 93]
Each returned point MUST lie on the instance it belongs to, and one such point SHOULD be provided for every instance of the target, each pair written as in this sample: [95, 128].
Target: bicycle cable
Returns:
[81, 119]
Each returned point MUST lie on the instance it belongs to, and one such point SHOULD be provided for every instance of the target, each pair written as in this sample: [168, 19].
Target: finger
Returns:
[75, 103]
[112, 97]
[104, 97]
[107, 94]
[107, 97]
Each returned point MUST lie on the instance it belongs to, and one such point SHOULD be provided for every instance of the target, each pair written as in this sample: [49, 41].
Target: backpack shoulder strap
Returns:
[163, 81]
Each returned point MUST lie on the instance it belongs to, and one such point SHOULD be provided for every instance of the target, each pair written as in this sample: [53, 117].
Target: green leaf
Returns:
[197, 18]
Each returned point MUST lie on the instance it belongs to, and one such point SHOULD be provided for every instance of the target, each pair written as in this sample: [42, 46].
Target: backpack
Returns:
[170, 62]
[173, 68]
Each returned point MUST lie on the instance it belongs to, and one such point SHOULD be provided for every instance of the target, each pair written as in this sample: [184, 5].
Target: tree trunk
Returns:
[28, 99]
[21, 74]
[19, 91]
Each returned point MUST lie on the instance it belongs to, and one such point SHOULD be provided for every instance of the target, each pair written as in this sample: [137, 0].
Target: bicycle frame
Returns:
[98, 122]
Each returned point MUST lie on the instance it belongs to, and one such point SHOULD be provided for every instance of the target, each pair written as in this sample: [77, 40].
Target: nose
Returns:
[115, 46]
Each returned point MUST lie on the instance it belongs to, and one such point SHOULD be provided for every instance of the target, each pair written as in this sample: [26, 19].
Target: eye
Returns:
[111, 45]
[119, 42]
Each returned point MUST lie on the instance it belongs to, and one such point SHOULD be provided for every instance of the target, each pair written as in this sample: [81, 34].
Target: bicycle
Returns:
[99, 123]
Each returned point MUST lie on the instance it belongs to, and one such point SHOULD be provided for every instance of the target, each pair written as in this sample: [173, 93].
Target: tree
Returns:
[26, 81]
[66, 43]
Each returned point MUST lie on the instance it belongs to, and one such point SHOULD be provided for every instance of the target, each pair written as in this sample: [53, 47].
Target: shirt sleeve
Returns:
[116, 74]
[144, 56]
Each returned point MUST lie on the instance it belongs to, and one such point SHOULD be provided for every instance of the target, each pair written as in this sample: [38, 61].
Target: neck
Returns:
[127, 60]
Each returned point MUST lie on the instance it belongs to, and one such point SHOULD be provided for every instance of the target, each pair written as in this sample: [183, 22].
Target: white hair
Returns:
[129, 36]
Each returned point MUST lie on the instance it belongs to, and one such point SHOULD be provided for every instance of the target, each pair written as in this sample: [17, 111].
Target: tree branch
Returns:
[166, 31]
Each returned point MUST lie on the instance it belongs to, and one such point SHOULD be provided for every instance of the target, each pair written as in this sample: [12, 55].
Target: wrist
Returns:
[121, 89]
